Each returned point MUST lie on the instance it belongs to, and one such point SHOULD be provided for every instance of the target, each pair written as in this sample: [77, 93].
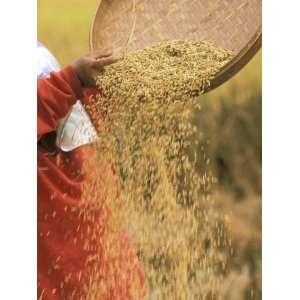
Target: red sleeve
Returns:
[55, 96]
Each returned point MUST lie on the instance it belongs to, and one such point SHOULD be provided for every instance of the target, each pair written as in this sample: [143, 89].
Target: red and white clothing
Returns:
[71, 247]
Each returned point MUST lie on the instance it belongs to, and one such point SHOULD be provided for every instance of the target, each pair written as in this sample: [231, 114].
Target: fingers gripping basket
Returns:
[129, 25]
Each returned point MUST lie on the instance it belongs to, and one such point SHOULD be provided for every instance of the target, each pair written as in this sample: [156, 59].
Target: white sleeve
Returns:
[46, 62]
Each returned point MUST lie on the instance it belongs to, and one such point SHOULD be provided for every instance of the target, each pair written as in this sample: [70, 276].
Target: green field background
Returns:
[229, 130]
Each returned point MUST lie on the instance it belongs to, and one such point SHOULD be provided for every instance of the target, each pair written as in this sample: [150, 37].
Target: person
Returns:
[74, 261]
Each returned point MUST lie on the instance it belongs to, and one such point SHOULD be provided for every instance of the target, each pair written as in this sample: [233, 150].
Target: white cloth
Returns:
[46, 62]
[76, 129]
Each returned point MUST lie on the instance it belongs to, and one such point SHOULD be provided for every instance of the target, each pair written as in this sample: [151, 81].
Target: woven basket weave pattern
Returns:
[128, 25]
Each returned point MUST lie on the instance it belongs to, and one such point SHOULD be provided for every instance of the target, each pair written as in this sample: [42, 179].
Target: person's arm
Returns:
[56, 95]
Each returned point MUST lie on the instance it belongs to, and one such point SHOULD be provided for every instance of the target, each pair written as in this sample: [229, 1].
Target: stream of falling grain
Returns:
[164, 200]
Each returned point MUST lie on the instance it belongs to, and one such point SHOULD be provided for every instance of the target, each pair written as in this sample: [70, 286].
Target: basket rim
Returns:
[228, 71]
[239, 61]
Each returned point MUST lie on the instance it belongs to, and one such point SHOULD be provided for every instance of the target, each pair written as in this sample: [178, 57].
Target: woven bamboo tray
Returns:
[129, 25]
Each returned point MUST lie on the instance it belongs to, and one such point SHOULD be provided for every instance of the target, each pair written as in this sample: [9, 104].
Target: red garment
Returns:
[72, 247]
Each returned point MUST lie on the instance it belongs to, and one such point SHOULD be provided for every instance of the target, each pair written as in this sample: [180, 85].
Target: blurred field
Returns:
[229, 133]
[63, 26]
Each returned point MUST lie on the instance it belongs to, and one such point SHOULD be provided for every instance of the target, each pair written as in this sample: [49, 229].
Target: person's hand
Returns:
[88, 66]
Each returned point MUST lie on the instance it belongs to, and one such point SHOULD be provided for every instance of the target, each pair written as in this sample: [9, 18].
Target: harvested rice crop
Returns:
[145, 104]
[167, 73]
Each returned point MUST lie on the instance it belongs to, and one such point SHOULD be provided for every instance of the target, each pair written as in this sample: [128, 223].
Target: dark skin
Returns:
[89, 65]
[86, 68]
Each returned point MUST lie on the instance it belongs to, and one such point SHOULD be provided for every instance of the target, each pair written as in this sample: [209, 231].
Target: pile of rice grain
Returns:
[164, 74]
[145, 105]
